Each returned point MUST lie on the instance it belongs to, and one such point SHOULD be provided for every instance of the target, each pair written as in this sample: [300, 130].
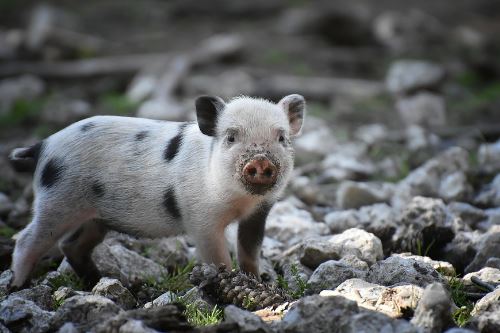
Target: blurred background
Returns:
[389, 83]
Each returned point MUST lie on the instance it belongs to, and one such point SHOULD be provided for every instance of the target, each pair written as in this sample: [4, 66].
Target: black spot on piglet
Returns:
[52, 172]
[170, 203]
[173, 145]
[85, 127]
[141, 135]
[98, 189]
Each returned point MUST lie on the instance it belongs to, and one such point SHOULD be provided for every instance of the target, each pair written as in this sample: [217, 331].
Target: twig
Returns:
[477, 281]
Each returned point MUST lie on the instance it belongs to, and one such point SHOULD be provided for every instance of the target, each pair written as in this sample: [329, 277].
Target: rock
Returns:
[5, 280]
[317, 138]
[379, 219]
[5, 204]
[426, 226]
[486, 313]
[115, 291]
[454, 187]
[24, 316]
[355, 195]
[489, 247]
[10, 43]
[406, 76]
[26, 87]
[63, 293]
[422, 109]
[319, 314]
[368, 321]
[330, 274]
[461, 250]
[459, 330]
[136, 326]
[20, 215]
[291, 225]
[357, 242]
[493, 219]
[396, 270]
[489, 196]
[491, 262]
[41, 295]
[442, 266]
[168, 252]
[396, 302]
[419, 138]
[84, 311]
[164, 299]
[434, 311]
[296, 275]
[469, 214]
[487, 274]
[68, 328]
[411, 30]
[489, 156]
[371, 134]
[426, 180]
[246, 321]
[341, 165]
[230, 83]
[129, 267]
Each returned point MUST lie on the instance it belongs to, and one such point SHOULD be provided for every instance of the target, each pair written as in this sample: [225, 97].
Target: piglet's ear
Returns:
[208, 109]
[295, 107]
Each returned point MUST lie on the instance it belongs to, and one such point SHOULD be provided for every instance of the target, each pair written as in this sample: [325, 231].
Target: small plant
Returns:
[7, 231]
[420, 247]
[118, 104]
[462, 315]
[176, 281]
[200, 317]
[302, 285]
[67, 280]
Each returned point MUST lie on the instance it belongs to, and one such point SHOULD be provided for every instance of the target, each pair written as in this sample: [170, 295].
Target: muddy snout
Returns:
[260, 171]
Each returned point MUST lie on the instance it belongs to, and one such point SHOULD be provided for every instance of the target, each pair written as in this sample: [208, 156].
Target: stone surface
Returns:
[423, 109]
[489, 195]
[84, 311]
[6, 205]
[486, 313]
[357, 242]
[5, 280]
[247, 321]
[410, 75]
[396, 302]
[489, 156]
[426, 179]
[369, 321]
[420, 139]
[442, 266]
[461, 250]
[487, 274]
[115, 291]
[41, 295]
[330, 274]
[469, 214]
[164, 299]
[24, 316]
[355, 194]
[396, 271]
[455, 187]
[488, 247]
[291, 225]
[129, 267]
[434, 313]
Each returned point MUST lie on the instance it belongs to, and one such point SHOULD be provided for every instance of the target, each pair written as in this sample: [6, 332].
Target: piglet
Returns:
[152, 178]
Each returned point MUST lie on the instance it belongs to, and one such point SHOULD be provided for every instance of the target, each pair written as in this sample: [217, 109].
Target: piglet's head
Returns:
[252, 150]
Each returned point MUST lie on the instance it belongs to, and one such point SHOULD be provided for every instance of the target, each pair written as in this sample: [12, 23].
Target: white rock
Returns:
[355, 194]
[489, 156]
[418, 138]
[164, 299]
[371, 134]
[115, 291]
[454, 187]
[410, 75]
[423, 109]
[487, 274]
[442, 266]
[330, 274]
[486, 313]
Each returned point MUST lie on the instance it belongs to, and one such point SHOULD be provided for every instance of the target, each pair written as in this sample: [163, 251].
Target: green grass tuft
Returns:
[7, 231]
[176, 281]
[70, 280]
[197, 316]
[463, 314]
[302, 285]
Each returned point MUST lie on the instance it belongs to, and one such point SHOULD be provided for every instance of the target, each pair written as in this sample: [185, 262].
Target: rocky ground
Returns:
[391, 222]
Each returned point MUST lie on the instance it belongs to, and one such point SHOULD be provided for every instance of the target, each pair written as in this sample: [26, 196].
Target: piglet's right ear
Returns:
[207, 110]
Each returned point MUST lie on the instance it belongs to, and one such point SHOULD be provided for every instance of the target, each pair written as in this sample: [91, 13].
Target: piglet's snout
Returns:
[260, 171]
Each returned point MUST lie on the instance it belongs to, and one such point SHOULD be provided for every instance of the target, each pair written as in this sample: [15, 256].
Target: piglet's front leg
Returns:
[250, 236]
[211, 246]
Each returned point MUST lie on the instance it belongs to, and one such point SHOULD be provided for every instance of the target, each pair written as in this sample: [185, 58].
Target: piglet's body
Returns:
[152, 178]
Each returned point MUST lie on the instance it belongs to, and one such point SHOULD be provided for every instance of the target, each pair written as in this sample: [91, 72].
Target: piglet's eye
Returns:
[281, 138]
[230, 138]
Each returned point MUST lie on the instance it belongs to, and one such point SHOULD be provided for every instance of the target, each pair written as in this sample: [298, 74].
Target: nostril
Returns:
[268, 172]
[252, 171]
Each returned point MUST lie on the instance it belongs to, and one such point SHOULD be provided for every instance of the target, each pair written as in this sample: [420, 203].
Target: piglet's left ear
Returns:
[295, 107]
[208, 108]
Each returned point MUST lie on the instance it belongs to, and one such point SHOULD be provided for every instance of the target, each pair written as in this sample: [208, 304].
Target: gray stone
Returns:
[24, 316]
[357, 242]
[489, 247]
[469, 214]
[84, 311]
[461, 250]
[330, 274]
[396, 270]
[41, 295]
[164, 299]
[410, 75]
[344, 165]
[136, 326]
[63, 293]
[434, 311]
[423, 109]
[459, 330]
[6, 205]
[487, 274]
[115, 291]
[370, 321]
[442, 266]
[5, 280]
[395, 302]
[68, 328]
[319, 314]
[25, 87]
[493, 262]
[129, 267]
[489, 156]
[486, 313]
[490, 194]
[371, 134]
[291, 225]
[247, 321]
[61, 110]
[426, 180]
[454, 187]
[355, 195]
